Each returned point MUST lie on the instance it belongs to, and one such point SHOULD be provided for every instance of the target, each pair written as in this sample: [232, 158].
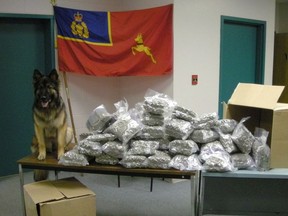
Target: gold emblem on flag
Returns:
[78, 27]
[140, 47]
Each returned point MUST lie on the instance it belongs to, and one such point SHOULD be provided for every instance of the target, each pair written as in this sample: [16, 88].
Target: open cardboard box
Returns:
[260, 103]
[64, 197]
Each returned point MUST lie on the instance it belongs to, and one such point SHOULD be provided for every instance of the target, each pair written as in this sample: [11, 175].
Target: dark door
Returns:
[242, 55]
[26, 44]
[280, 69]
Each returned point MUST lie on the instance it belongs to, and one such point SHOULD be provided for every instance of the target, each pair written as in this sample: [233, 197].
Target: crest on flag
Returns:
[79, 27]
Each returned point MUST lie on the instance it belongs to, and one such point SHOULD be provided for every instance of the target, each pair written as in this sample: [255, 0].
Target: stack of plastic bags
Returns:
[159, 133]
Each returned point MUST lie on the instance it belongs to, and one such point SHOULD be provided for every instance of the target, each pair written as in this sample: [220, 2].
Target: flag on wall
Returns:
[130, 43]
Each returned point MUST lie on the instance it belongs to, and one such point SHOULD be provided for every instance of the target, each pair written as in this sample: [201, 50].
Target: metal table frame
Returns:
[279, 173]
[51, 163]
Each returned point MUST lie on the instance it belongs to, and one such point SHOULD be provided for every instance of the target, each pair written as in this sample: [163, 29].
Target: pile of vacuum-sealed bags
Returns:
[159, 133]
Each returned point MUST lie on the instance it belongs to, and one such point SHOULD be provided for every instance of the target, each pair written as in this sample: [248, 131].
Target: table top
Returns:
[51, 163]
[275, 173]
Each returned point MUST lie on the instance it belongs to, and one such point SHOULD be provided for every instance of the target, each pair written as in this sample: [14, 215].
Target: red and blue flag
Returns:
[126, 43]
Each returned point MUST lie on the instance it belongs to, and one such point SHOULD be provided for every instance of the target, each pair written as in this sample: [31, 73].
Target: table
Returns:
[51, 163]
[272, 197]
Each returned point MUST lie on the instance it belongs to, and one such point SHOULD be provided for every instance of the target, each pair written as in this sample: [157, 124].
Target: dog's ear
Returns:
[36, 76]
[53, 75]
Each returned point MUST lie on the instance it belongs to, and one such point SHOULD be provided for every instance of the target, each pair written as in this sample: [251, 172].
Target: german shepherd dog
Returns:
[49, 115]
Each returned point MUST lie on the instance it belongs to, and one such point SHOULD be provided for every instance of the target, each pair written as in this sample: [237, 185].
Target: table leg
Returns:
[118, 181]
[195, 193]
[151, 184]
[56, 174]
[21, 177]
[201, 196]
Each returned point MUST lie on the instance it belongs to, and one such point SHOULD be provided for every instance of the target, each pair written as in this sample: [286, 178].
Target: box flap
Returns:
[281, 106]
[84, 206]
[71, 187]
[256, 95]
[43, 191]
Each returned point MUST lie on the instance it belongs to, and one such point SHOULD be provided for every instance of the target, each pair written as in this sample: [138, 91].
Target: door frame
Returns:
[260, 49]
[48, 20]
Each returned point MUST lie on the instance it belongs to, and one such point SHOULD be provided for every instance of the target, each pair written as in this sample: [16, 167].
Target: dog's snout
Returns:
[43, 98]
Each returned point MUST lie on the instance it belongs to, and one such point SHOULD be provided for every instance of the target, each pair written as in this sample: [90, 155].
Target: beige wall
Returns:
[196, 51]
[197, 46]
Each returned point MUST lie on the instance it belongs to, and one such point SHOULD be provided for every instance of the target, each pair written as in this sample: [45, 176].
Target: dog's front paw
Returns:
[60, 155]
[41, 156]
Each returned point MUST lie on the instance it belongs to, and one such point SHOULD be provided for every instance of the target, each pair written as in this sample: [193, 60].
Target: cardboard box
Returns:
[260, 102]
[64, 197]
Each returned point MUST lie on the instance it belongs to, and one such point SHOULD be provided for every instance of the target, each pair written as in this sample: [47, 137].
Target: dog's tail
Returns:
[40, 175]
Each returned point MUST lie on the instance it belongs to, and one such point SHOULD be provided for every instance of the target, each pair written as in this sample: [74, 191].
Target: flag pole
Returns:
[69, 105]
[54, 3]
